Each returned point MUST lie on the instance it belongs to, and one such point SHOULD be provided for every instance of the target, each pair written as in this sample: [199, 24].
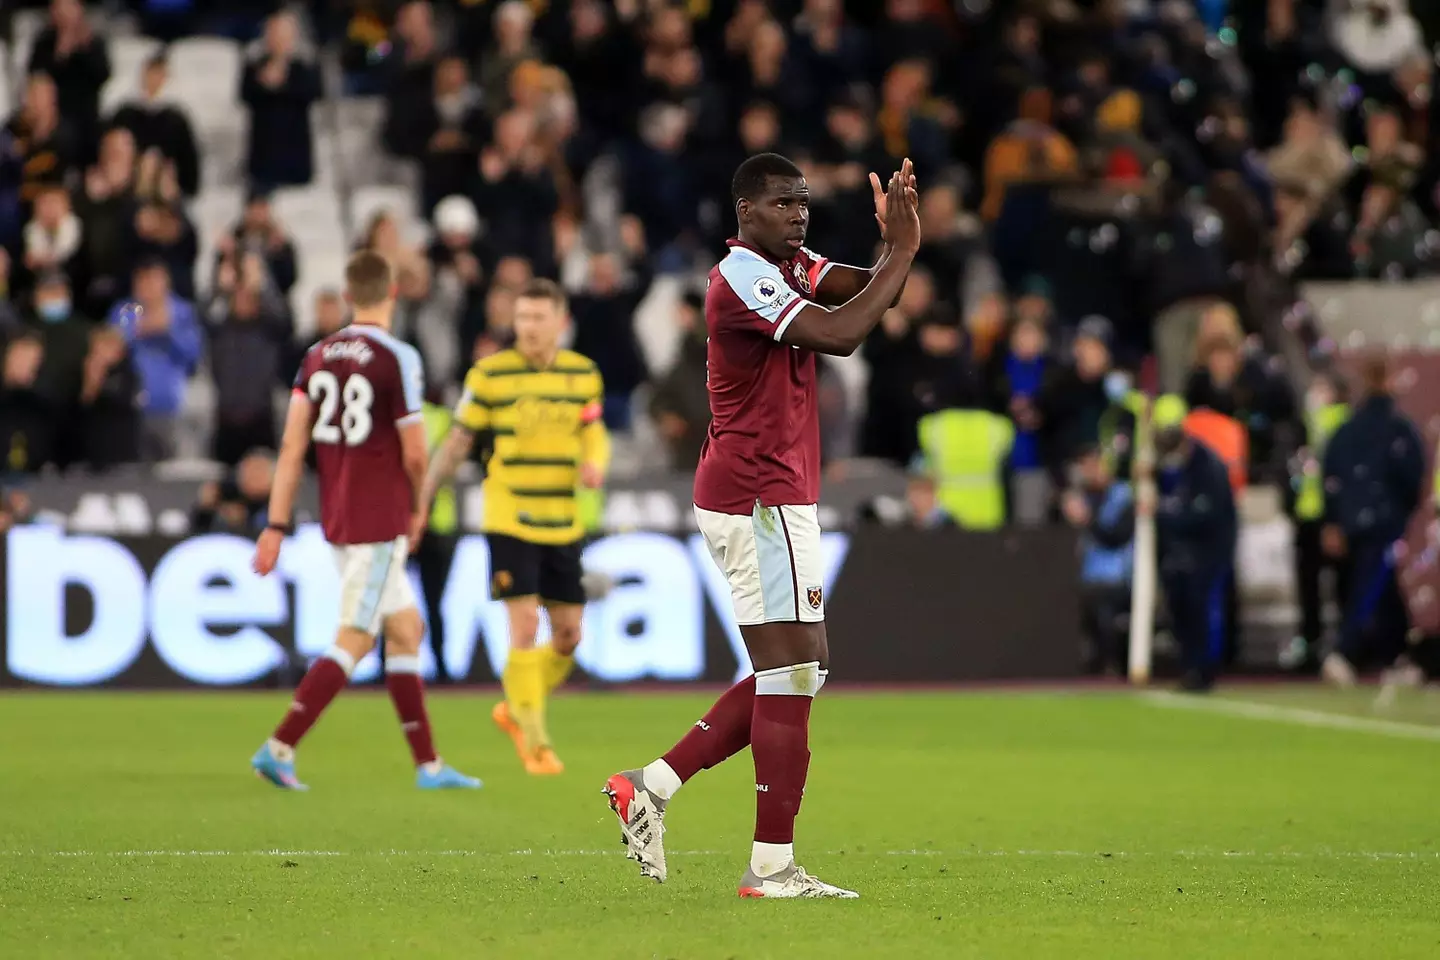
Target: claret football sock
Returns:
[556, 666]
[716, 737]
[779, 743]
[325, 679]
[407, 693]
[524, 685]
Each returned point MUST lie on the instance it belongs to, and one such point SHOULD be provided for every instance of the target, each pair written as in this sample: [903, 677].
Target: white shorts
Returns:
[771, 559]
[373, 583]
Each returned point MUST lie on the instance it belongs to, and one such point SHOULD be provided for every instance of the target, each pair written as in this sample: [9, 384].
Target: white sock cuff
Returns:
[410, 664]
[662, 779]
[346, 662]
[796, 680]
[824, 675]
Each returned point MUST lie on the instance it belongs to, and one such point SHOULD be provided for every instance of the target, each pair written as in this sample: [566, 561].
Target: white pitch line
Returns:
[959, 854]
[1299, 716]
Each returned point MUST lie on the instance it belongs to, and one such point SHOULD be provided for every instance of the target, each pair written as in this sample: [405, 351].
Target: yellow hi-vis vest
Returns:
[1320, 426]
[965, 451]
[444, 519]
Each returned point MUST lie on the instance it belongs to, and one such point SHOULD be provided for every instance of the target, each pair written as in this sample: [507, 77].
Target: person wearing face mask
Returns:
[66, 339]
[1325, 411]
[1196, 529]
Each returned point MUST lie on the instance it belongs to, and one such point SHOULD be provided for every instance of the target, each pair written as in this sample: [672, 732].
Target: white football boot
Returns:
[642, 821]
[791, 883]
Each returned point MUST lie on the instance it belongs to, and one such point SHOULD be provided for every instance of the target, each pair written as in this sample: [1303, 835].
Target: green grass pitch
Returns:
[975, 825]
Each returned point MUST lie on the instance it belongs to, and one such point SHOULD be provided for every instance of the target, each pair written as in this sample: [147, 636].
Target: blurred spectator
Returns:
[110, 400]
[680, 404]
[911, 121]
[1075, 397]
[162, 126]
[238, 504]
[448, 130]
[515, 194]
[412, 75]
[908, 30]
[458, 263]
[161, 228]
[1229, 382]
[9, 316]
[164, 336]
[845, 155]
[923, 510]
[106, 206]
[65, 336]
[69, 52]
[1312, 158]
[42, 138]
[1027, 150]
[16, 509]
[259, 233]
[513, 45]
[772, 75]
[604, 317]
[891, 351]
[27, 407]
[329, 318]
[952, 248]
[594, 53]
[836, 52]
[52, 237]
[1102, 508]
[1016, 376]
[1374, 466]
[249, 334]
[1187, 274]
[279, 88]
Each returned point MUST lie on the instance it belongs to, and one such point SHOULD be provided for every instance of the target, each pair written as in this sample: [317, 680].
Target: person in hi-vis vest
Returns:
[1325, 411]
[965, 452]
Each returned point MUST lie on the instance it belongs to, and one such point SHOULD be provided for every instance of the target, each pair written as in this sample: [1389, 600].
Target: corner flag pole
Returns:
[1142, 593]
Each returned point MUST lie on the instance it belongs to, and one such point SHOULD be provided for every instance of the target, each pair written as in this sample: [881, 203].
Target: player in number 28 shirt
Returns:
[357, 398]
[770, 307]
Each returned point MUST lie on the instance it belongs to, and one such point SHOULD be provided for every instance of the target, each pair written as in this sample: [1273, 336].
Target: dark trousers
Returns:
[1101, 607]
[1310, 566]
[1376, 618]
[433, 557]
[1196, 601]
[235, 438]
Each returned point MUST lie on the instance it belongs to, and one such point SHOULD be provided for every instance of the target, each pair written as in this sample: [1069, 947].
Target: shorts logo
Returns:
[814, 597]
[767, 291]
[501, 581]
[802, 276]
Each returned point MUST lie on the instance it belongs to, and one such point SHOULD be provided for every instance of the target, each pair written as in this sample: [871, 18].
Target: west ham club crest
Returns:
[802, 277]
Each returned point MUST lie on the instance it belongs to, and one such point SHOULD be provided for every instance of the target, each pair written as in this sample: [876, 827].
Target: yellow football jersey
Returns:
[544, 423]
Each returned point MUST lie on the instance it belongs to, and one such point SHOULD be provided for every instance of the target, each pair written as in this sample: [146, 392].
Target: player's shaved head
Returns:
[369, 281]
[752, 176]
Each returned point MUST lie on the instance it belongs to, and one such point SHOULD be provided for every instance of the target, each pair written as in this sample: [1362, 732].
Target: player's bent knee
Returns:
[565, 621]
[354, 641]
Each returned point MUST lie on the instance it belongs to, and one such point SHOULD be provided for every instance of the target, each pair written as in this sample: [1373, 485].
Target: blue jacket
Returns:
[1108, 544]
[165, 361]
[1195, 521]
[1374, 470]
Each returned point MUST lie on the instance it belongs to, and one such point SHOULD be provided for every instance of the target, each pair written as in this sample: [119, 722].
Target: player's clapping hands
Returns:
[902, 215]
[880, 191]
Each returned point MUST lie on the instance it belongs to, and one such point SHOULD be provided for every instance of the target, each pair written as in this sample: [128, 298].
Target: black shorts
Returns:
[519, 568]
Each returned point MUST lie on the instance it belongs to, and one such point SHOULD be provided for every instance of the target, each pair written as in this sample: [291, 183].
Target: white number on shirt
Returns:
[354, 399]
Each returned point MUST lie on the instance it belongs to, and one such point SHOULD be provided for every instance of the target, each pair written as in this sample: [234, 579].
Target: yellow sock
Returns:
[524, 684]
[557, 667]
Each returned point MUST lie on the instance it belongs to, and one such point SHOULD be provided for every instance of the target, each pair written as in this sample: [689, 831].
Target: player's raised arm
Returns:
[289, 467]
[840, 332]
[836, 283]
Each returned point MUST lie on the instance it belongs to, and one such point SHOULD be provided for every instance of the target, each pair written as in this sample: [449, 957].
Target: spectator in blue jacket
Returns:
[166, 342]
[1374, 468]
[1196, 530]
[1102, 508]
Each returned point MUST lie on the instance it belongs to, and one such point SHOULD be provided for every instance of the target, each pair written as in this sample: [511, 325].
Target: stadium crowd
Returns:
[1116, 194]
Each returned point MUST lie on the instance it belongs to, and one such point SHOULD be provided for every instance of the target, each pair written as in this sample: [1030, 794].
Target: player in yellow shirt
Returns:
[536, 409]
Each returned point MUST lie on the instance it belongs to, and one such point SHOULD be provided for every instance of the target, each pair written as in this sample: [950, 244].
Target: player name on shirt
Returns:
[356, 351]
